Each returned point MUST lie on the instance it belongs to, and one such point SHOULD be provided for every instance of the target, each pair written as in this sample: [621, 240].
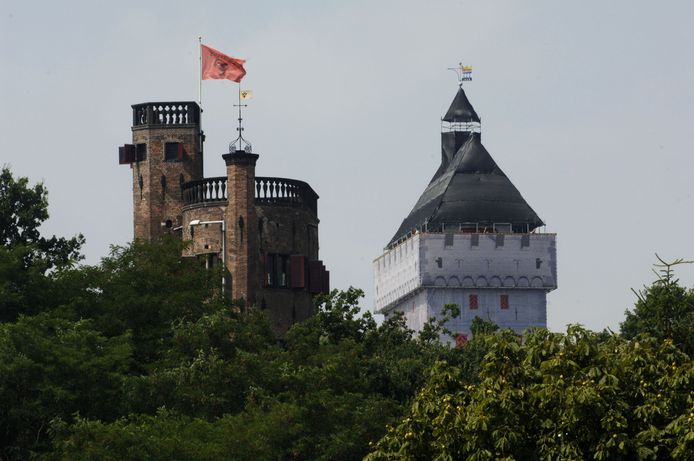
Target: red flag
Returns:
[217, 65]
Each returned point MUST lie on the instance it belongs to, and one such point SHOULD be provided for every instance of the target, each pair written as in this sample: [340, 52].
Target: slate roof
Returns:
[468, 186]
[461, 110]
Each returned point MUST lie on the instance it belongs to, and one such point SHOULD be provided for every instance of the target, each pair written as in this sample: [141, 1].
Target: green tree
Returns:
[664, 310]
[52, 368]
[578, 395]
[22, 211]
[322, 393]
[27, 259]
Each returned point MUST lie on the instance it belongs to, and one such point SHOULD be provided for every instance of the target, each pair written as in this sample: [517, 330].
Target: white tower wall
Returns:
[428, 270]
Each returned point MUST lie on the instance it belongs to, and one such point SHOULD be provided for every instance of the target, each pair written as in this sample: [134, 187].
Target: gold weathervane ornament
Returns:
[463, 72]
[243, 144]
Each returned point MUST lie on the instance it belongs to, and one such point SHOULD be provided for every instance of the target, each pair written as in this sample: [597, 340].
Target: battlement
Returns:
[469, 261]
[166, 114]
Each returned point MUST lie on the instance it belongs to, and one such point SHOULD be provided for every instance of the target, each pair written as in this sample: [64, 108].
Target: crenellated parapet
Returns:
[479, 261]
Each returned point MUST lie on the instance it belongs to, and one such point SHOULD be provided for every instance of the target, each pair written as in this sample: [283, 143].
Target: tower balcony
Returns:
[268, 191]
[166, 114]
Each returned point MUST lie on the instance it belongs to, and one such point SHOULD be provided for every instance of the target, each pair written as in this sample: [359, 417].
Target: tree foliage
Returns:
[664, 310]
[328, 389]
[578, 395]
[27, 257]
[23, 209]
[140, 357]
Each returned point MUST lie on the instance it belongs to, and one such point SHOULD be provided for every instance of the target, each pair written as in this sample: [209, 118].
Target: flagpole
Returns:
[240, 127]
[200, 71]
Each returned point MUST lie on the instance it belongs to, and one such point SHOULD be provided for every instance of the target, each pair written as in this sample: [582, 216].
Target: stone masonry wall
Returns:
[206, 238]
[287, 231]
[156, 202]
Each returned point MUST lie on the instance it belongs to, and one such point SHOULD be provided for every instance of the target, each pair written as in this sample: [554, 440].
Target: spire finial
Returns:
[464, 73]
[244, 95]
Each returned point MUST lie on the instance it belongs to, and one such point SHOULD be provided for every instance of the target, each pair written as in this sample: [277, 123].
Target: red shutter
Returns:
[180, 153]
[126, 154]
[460, 340]
[326, 281]
[473, 302]
[504, 301]
[297, 275]
[315, 276]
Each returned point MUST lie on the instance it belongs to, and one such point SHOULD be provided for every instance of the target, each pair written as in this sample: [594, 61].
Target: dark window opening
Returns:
[277, 271]
[211, 261]
[499, 240]
[525, 241]
[448, 240]
[475, 240]
[173, 151]
[473, 302]
[141, 152]
[468, 228]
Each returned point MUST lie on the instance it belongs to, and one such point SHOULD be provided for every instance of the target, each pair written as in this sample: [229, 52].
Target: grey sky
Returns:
[587, 106]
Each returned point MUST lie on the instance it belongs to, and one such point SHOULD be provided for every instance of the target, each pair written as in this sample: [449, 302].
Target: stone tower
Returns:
[263, 231]
[470, 240]
[241, 216]
[165, 154]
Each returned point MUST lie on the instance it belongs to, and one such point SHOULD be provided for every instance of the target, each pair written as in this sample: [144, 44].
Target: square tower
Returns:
[470, 240]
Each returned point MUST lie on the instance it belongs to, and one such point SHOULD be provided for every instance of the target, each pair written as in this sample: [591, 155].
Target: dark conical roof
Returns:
[461, 110]
[468, 187]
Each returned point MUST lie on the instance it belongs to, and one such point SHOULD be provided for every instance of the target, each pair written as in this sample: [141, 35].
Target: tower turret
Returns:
[262, 232]
[242, 248]
[470, 240]
[166, 153]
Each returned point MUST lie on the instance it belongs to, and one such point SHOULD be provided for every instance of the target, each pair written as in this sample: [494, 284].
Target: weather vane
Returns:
[244, 95]
[464, 73]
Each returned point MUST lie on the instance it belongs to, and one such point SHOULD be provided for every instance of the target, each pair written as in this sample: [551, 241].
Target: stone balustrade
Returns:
[268, 191]
[166, 114]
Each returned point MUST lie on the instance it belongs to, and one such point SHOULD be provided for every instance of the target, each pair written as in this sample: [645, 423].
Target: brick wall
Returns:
[242, 225]
[156, 201]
